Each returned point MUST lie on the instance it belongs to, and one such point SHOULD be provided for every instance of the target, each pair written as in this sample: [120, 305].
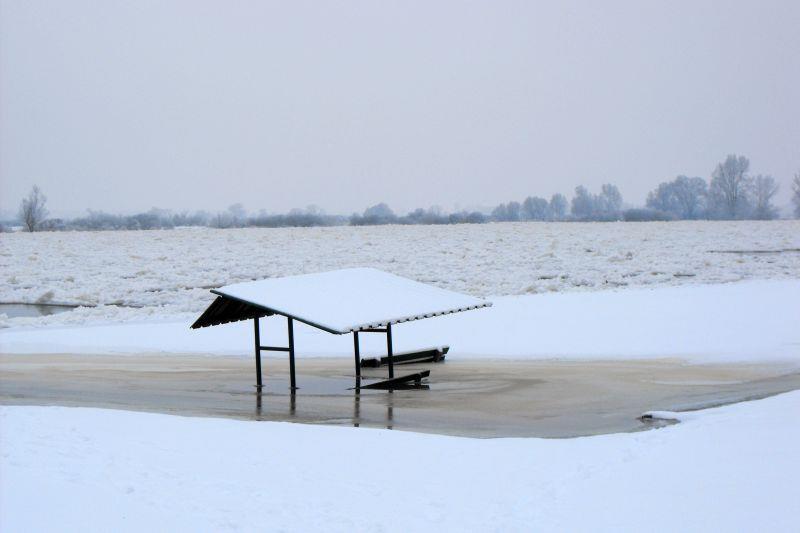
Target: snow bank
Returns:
[733, 468]
[746, 321]
[170, 272]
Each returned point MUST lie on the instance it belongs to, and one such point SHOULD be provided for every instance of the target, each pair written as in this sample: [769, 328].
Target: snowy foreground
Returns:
[733, 468]
[744, 321]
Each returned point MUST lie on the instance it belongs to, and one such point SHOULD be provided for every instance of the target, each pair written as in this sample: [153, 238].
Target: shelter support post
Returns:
[389, 353]
[293, 382]
[357, 354]
[257, 333]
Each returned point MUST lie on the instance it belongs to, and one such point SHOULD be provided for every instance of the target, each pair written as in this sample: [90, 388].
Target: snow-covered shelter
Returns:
[353, 300]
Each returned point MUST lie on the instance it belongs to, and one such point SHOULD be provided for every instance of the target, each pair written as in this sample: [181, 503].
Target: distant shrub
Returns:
[646, 215]
[53, 224]
[465, 217]
[382, 214]
[295, 220]
[374, 216]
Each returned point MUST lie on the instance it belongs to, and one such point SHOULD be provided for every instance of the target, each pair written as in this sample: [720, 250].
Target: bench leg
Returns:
[292, 381]
[357, 355]
[257, 335]
[389, 353]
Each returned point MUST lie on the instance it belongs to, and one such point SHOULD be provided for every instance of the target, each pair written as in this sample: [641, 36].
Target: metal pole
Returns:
[390, 409]
[389, 353]
[357, 352]
[258, 354]
[356, 409]
[291, 355]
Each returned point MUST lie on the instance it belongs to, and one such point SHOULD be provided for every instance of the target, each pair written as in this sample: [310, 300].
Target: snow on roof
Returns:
[351, 299]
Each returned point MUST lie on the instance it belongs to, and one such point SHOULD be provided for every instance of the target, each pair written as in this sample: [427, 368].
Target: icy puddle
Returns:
[13, 310]
[469, 398]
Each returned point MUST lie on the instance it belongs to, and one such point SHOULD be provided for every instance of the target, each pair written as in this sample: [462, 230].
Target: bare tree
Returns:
[796, 194]
[764, 188]
[535, 208]
[663, 198]
[32, 210]
[605, 206]
[583, 204]
[690, 193]
[558, 206]
[610, 199]
[237, 215]
[683, 197]
[514, 209]
[509, 212]
[730, 187]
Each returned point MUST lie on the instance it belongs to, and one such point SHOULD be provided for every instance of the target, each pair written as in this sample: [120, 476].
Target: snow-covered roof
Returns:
[351, 299]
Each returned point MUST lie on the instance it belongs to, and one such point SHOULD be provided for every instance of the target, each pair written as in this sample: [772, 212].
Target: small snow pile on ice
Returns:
[661, 415]
[45, 297]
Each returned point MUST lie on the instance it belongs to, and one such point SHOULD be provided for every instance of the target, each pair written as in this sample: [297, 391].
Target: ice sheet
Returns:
[161, 273]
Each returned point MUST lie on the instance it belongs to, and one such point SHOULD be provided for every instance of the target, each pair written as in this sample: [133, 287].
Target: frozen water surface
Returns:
[28, 310]
[170, 272]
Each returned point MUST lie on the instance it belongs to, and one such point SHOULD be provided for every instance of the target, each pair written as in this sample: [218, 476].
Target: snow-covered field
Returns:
[733, 468]
[170, 272]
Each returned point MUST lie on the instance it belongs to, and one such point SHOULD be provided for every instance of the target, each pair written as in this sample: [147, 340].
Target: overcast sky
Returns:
[196, 105]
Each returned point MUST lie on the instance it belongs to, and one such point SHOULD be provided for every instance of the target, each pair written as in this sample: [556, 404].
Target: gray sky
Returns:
[194, 104]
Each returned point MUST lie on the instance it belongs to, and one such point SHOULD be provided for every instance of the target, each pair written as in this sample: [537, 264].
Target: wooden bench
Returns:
[400, 382]
[428, 355]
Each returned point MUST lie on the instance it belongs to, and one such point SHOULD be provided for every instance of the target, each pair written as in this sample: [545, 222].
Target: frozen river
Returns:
[170, 272]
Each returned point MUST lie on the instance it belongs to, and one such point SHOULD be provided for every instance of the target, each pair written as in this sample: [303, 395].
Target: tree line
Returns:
[732, 193]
